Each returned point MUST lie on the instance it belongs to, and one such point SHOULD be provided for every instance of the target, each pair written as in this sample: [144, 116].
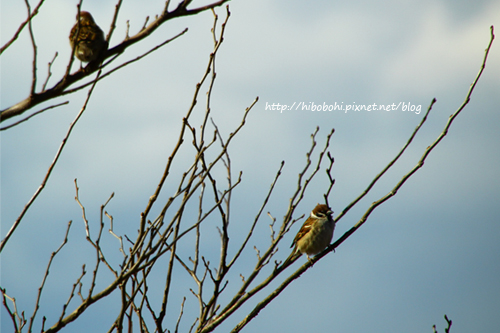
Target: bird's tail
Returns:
[292, 257]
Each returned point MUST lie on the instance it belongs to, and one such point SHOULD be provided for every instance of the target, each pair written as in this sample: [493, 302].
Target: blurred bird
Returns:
[316, 233]
[87, 38]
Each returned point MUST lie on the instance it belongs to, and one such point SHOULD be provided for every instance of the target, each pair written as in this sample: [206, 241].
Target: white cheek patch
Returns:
[319, 216]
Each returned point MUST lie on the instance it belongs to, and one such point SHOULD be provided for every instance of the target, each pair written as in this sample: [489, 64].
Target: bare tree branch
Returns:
[140, 303]
[31, 14]
[40, 289]
[34, 114]
[60, 88]
[49, 171]
[447, 329]
[319, 256]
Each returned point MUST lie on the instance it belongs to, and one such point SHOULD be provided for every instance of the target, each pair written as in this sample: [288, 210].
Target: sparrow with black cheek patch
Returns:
[87, 38]
[315, 234]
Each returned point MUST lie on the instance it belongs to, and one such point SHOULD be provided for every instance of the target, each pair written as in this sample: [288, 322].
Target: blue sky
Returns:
[431, 250]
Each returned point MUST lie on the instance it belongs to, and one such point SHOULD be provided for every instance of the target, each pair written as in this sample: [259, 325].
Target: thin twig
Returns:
[35, 51]
[18, 321]
[31, 15]
[49, 71]
[47, 270]
[34, 114]
[49, 171]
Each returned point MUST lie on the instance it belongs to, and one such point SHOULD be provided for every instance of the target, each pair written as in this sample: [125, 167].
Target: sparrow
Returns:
[315, 234]
[87, 38]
